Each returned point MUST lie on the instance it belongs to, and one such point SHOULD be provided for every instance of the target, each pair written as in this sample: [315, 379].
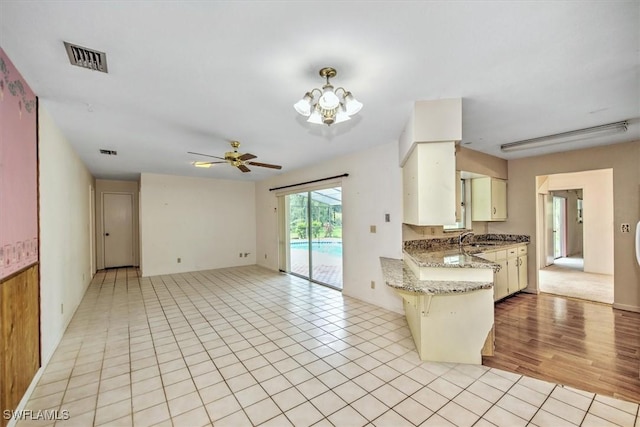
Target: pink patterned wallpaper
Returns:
[18, 171]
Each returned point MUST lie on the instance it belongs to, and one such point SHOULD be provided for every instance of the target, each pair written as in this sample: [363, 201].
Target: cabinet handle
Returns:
[494, 210]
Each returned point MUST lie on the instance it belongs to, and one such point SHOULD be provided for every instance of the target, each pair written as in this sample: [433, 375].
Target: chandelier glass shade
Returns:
[328, 105]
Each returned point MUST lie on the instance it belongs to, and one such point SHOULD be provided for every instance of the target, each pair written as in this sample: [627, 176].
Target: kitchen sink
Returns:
[482, 245]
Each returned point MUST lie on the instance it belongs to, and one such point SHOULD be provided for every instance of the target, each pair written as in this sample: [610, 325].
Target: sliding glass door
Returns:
[314, 237]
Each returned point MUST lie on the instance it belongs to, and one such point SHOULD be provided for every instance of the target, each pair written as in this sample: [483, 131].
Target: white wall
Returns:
[205, 222]
[373, 188]
[522, 199]
[65, 249]
[597, 205]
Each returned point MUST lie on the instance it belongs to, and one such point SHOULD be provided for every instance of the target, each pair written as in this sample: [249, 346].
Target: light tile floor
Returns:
[248, 346]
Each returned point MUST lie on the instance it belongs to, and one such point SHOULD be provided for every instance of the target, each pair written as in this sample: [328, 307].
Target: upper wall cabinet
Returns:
[429, 184]
[488, 199]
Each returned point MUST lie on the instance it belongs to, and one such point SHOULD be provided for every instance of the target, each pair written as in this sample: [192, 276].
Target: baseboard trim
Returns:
[626, 307]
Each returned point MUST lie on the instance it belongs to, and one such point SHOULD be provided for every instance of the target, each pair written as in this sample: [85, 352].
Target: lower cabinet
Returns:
[512, 276]
[523, 279]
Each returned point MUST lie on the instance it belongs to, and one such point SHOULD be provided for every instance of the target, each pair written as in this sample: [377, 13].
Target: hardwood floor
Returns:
[578, 343]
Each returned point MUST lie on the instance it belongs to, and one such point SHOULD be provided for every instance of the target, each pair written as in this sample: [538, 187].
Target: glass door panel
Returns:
[300, 261]
[326, 234]
[315, 235]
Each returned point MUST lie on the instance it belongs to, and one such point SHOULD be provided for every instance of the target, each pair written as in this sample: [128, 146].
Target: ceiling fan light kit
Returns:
[234, 158]
[328, 105]
[564, 137]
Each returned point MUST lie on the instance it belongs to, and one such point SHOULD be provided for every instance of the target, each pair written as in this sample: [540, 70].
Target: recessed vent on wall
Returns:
[108, 152]
[86, 58]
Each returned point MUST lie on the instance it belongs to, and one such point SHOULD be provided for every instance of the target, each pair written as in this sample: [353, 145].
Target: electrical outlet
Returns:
[179, 260]
[240, 255]
[246, 254]
[372, 228]
[265, 256]
[625, 228]
[373, 284]
[387, 218]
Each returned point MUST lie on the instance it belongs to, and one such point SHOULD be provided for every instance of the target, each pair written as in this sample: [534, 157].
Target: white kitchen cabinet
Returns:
[501, 278]
[512, 276]
[523, 278]
[459, 196]
[429, 184]
[512, 271]
[488, 199]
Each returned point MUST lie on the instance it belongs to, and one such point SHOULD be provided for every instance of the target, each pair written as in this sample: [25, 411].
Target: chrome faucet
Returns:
[463, 235]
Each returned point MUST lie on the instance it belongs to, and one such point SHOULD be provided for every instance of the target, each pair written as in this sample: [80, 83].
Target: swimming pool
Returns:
[333, 248]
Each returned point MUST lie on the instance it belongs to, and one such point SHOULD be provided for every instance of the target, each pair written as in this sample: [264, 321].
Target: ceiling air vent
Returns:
[108, 152]
[86, 58]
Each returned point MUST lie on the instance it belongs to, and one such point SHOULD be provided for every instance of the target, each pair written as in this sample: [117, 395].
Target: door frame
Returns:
[133, 219]
[284, 234]
[562, 216]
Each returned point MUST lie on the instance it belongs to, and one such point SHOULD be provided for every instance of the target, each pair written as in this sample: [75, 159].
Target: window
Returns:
[460, 225]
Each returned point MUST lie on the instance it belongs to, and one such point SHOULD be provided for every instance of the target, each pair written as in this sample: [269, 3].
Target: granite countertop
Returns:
[456, 256]
[451, 258]
[397, 275]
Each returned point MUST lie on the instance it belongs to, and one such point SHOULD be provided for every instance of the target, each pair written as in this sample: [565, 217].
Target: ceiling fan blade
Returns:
[265, 165]
[247, 156]
[243, 168]
[207, 155]
[210, 163]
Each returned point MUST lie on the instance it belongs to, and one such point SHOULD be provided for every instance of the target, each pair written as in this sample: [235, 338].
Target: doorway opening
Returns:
[312, 226]
[574, 227]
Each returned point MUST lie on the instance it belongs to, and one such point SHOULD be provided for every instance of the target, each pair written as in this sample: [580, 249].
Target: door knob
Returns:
[106, 234]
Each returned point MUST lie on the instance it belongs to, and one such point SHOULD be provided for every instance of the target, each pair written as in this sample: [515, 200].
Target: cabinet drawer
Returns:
[522, 250]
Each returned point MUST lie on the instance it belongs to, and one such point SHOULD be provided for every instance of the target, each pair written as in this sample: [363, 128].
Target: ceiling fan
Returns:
[234, 158]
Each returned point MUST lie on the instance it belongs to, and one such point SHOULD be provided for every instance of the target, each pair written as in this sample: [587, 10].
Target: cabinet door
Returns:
[523, 279]
[458, 197]
[500, 282]
[429, 184]
[498, 199]
[512, 275]
[488, 199]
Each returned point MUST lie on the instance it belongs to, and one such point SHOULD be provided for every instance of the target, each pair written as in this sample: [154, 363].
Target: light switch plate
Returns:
[372, 228]
[625, 228]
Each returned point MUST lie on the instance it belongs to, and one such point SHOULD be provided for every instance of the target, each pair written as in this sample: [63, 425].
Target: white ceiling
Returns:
[192, 75]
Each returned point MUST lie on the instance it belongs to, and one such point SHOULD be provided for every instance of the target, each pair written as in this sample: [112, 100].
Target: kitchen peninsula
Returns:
[448, 297]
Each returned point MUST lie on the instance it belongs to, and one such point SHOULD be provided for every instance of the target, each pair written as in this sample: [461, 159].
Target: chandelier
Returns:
[329, 105]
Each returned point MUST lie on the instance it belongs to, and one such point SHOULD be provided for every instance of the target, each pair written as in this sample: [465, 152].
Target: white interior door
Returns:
[117, 216]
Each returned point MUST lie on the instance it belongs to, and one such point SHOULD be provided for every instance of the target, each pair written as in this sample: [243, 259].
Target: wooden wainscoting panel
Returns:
[19, 336]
